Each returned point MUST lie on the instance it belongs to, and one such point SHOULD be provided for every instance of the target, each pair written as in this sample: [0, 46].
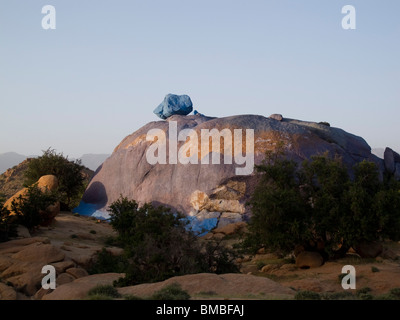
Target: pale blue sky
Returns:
[97, 78]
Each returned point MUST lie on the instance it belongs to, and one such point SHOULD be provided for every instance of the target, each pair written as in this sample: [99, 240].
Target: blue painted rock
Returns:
[174, 104]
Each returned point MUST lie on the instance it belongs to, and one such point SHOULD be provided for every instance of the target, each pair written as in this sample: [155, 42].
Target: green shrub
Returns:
[364, 294]
[158, 245]
[106, 262]
[171, 292]
[374, 269]
[325, 123]
[318, 202]
[106, 291]
[31, 208]
[345, 295]
[307, 295]
[395, 292]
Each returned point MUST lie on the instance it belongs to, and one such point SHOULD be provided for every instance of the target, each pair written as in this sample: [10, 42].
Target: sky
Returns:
[97, 77]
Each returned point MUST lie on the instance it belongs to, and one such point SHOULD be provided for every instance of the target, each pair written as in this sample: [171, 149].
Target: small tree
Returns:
[7, 223]
[69, 174]
[279, 213]
[319, 203]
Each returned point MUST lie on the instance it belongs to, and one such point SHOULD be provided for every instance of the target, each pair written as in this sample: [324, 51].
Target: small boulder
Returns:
[309, 259]
[79, 288]
[231, 228]
[228, 218]
[37, 252]
[48, 182]
[369, 249]
[174, 104]
[276, 116]
[77, 272]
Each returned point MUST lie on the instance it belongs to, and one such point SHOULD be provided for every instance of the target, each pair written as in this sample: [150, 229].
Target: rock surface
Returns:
[211, 187]
[174, 104]
[307, 259]
[230, 284]
[79, 288]
[369, 249]
[21, 260]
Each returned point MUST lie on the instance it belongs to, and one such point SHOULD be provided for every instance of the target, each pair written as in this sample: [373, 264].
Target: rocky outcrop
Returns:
[70, 245]
[229, 285]
[208, 189]
[392, 162]
[12, 180]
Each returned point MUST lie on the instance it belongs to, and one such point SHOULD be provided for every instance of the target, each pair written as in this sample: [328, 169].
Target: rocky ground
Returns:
[71, 243]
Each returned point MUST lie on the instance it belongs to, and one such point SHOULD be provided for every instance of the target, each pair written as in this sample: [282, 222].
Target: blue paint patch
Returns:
[90, 210]
[201, 227]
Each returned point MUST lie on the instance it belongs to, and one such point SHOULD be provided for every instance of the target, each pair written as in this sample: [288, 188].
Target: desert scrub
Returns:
[260, 264]
[307, 295]
[103, 292]
[374, 269]
[364, 294]
[171, 292]
[345, 295]
[393, 294]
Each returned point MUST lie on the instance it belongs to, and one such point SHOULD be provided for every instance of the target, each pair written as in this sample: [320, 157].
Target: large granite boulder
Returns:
[207, 192]
[174, 104]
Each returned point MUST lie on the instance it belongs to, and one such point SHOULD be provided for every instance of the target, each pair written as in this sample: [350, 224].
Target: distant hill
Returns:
[93, 161]
[9, 160]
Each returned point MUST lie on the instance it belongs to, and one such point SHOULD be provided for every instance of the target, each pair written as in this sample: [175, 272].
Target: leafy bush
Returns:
[157, 245]
[102, 292]
[106, 262]
[31, 208]
[171, 292]
[318, 202]
[71, 180]
[395, 292]
[374, 269]
[307, 295]
[345, 295]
